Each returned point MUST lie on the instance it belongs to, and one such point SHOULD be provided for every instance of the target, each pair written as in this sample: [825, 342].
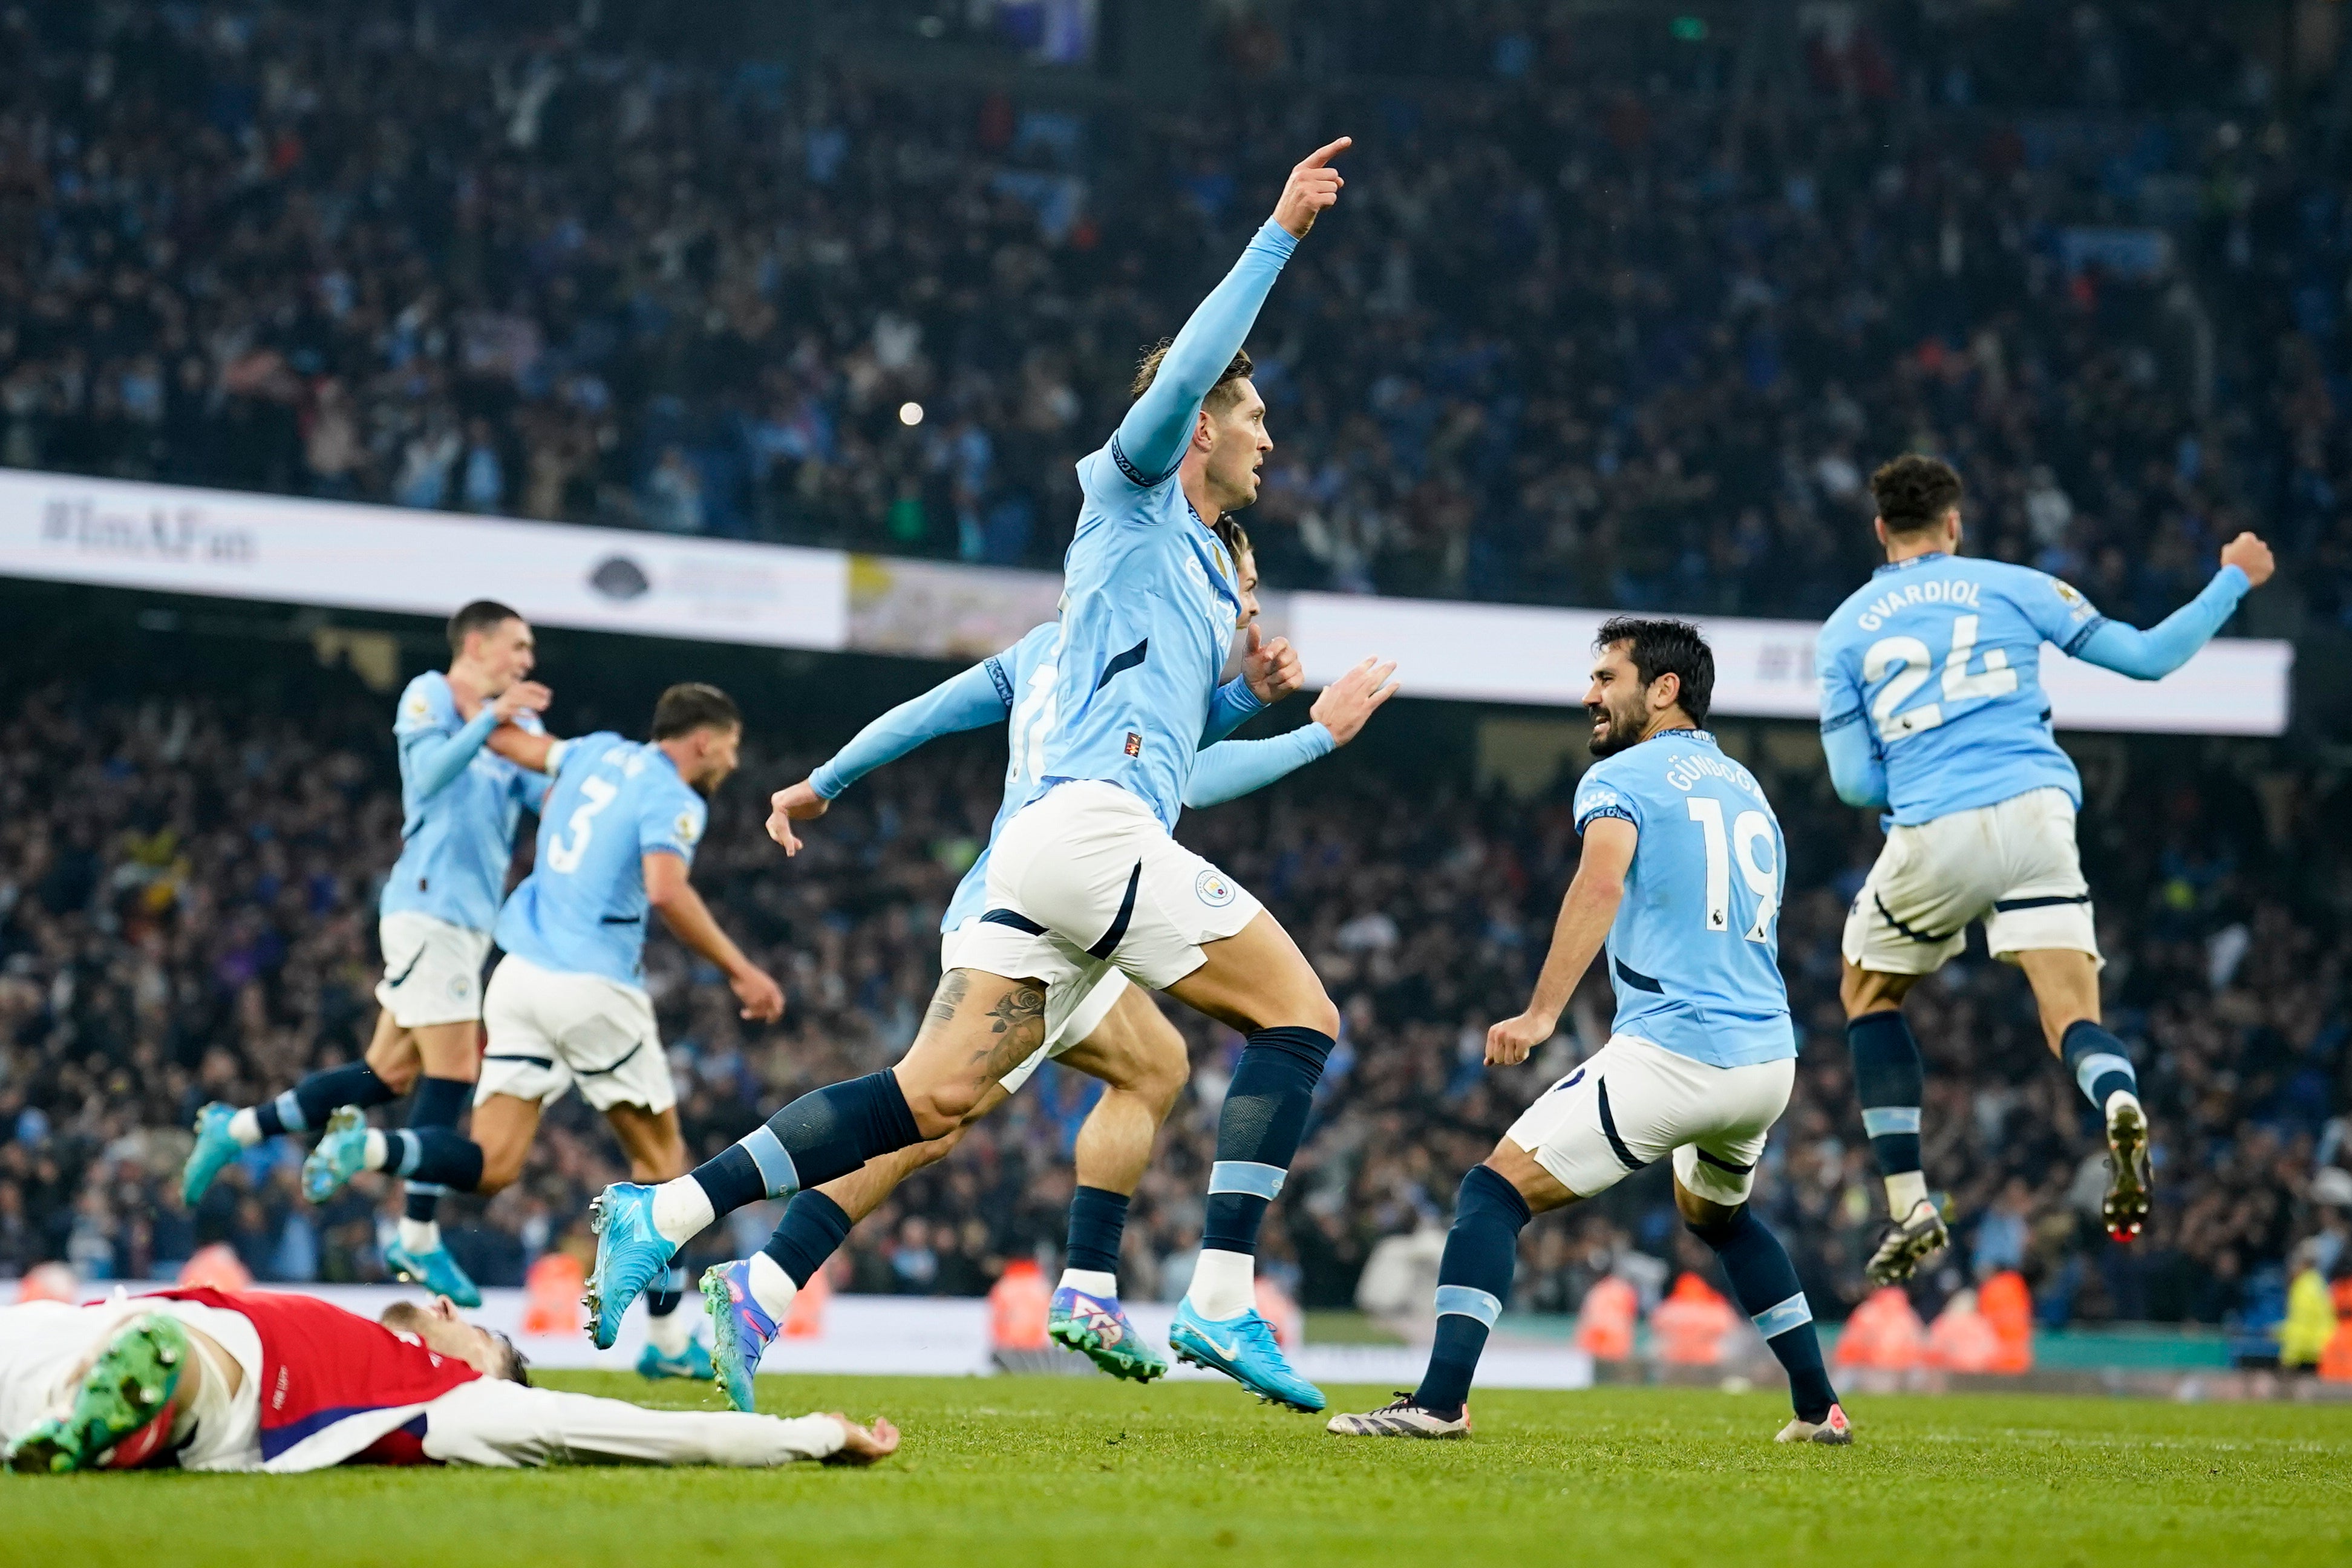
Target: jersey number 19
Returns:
[1763, 878]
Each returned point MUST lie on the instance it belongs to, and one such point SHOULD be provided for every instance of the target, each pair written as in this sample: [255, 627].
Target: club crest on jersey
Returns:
[1134, 744]
[1212, 889]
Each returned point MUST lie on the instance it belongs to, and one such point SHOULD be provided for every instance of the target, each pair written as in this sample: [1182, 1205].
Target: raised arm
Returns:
[1152, 440]
[1585, 916]
[979, 696]
[2153, 654]
[435, 760]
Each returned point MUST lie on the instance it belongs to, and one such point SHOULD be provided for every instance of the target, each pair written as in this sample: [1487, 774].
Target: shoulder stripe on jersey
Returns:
[1004, 682]
[1124, 662]
[1597, 813]
[1637, 980]
[1111, 938]
[1609, 1128]
[1136, 476]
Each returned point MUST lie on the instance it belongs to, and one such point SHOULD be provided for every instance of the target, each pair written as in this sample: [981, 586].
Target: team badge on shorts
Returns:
[1213, 888]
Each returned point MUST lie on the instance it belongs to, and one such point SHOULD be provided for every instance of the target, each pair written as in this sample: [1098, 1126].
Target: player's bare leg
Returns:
[1259, 983]
[1889, 1080]
[979, 1027]
[2066, 991]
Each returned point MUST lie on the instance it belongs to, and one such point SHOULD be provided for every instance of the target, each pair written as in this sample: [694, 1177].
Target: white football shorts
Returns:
[1632, 1103]
[1086, 875]
[2012, 865]
[1074, 1008]
[550, 1031]
[432, 970]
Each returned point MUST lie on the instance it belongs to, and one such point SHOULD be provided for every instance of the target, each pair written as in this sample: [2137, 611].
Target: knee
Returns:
[1712, 1223]
[932, 1151]
[397, 1068]
[498, 1176]
[1313, 1010]
[939, 1109]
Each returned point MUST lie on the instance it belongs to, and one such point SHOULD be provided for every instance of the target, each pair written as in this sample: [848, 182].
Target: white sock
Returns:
[672, 1331]
[1225, 1285]
[2127, 1097]
[771, 1286]
[420, 1235]
[246, 1126]
[1905, 1192]
[682, 1210]
[377, 1156]
[1092, 1282]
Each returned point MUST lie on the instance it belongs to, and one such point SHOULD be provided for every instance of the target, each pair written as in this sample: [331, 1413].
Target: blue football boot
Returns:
[1243, 1349]
[341, 1154]
[740, 1331]
[693, 1365]
[630, 1254]
[213, 1153]
[1097, 1329]
[436, 1271]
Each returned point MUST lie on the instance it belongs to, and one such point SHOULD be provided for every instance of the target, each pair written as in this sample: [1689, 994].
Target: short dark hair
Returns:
[690, 706]
[1227, 387]
[1913, 492]
[478, 616]
[1659, 644]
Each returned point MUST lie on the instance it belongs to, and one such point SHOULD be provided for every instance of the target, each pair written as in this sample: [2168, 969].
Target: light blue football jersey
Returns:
[1941, 657]
[457, 843]
[1148, 610]
[1694, 950]
[1024, 675]
[583, 909]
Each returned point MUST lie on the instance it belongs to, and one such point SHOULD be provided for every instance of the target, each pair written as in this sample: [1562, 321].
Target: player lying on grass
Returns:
[180, 1379]
[1680, 884]
[567, 1005]
[1932, 707]
[1087, 875]
[459, 804]
[1104, 1028]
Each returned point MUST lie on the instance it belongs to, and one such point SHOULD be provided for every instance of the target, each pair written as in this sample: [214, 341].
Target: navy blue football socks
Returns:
[826, 1134]
[2101, 1066]
[306, 1106]
[812, 1229]
[1474, 1280]
[1764, 1282]
[437, 1102]
[662, 1299]
[441, 1156]
[1889, 1082]
[1098, 1221]
[1258, 1130]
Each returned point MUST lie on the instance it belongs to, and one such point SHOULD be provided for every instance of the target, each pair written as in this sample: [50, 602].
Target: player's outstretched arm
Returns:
[1856, 770]
[2153, 654]
[691, 921]
[1585, 916]
[977, 697]
[1153, 437]
[1230, 769]
[434, 760]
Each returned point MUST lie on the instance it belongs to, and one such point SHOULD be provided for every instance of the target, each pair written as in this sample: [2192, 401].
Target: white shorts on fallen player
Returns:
[1632, 1103]
[42, 1343]
[432, 970]
[1086, 875]
[1074, 1008]
[548, 1031]
[2012, 865]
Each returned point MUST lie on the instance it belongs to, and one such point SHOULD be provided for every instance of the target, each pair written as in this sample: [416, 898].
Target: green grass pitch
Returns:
[1052, 1470]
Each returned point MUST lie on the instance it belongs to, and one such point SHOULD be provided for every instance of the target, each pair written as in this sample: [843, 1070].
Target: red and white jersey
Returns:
[335, 1387]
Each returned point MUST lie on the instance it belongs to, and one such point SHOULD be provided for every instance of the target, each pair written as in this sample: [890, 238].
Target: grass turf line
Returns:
[1048, 1470]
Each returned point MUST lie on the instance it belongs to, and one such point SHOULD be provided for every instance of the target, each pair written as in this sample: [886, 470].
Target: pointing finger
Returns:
[1324, 154]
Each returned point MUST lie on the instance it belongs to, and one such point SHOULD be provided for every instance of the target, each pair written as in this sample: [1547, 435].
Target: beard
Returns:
[1617, 730]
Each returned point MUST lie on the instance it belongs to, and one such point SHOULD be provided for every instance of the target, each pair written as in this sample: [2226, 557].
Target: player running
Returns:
[178, 1379]
[567, 1004]
[1086, 875]
[1109, 1029]
[1680, 884]
[1932, 707]
[460, 806]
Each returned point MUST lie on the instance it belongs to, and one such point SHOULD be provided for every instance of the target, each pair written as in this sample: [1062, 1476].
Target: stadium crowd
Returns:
[187, 893]
[1612, 327]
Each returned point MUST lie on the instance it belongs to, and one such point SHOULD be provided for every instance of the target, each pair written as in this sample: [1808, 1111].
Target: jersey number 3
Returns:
[563, 852]
[1763, 878]
[1904, 663]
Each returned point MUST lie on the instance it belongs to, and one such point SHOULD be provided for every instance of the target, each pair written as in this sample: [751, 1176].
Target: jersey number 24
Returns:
[1904, 663]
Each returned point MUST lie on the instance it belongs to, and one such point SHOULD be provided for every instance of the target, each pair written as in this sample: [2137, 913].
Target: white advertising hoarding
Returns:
[176, 540]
